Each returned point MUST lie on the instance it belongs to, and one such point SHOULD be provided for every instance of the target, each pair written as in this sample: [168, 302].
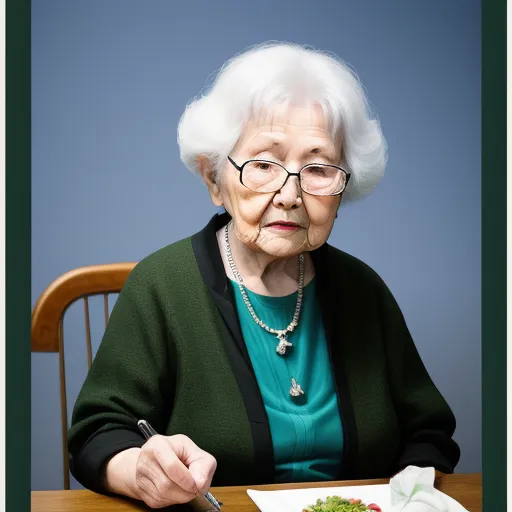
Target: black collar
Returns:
[206, 251]
[211, 268]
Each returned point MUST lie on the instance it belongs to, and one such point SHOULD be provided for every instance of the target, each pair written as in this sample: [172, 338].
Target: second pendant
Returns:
[295, 389]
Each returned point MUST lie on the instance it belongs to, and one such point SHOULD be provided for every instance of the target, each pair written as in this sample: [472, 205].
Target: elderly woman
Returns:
[258, 351]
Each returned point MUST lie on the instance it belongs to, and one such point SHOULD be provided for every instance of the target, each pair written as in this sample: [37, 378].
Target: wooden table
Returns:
[465, 488]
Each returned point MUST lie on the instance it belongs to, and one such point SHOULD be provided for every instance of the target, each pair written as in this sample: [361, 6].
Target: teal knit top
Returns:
[307, 435]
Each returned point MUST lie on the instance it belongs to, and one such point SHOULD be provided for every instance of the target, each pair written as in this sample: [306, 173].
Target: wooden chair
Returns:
[47, 320]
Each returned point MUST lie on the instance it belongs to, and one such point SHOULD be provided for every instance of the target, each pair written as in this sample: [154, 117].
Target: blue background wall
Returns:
[110, 82]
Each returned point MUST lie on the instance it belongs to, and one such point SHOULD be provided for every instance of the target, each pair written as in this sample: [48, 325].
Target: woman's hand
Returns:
[167, 470]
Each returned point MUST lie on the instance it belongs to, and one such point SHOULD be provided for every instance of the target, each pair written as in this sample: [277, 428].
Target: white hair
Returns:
[276, 73]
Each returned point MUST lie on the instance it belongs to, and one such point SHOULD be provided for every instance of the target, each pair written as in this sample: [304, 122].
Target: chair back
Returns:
[47, 334]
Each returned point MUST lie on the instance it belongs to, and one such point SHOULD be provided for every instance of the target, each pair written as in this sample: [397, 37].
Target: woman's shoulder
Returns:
[163, 264]
[348, 266]
[355, 276]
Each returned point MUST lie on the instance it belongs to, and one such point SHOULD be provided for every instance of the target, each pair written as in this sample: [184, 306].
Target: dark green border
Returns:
[18, 262]
[18, 306]
[494, 291]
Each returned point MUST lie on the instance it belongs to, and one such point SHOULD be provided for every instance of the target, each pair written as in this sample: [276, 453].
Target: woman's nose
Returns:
[290, 195]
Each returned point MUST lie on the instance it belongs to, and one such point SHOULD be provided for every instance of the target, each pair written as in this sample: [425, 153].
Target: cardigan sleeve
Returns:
[426, 421]
[129, 379]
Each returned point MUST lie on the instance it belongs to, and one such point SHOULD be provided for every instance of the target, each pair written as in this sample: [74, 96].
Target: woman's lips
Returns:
[283, 226]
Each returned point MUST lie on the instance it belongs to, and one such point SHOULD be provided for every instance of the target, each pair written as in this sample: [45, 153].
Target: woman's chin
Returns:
[283, 248]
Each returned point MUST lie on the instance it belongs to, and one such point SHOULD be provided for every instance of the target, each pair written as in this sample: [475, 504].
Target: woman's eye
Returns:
[318, 171]
[263, 166]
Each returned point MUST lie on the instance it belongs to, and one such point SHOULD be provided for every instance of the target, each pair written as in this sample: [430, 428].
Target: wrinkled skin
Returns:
[292, 136]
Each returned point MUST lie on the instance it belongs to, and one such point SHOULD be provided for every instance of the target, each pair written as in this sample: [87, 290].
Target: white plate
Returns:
[298, 499]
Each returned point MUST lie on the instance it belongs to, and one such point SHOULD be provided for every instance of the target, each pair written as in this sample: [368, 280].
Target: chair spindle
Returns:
[88, 332]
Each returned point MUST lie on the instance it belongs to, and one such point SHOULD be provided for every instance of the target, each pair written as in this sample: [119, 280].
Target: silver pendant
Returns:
[283, 344]
[296, 390]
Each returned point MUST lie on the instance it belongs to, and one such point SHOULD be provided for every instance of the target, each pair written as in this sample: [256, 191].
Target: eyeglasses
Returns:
[316, 179]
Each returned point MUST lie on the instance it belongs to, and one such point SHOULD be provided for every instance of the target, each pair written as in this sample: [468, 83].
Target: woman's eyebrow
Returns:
[265, 144]
[322, 150]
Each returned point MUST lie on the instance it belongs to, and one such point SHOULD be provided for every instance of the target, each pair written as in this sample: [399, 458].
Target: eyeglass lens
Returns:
[316, 179]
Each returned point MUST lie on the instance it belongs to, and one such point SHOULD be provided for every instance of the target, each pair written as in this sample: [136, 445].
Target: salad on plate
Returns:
[339, 504]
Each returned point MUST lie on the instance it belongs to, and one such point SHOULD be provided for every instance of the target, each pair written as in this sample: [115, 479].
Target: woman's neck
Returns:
[263, 273]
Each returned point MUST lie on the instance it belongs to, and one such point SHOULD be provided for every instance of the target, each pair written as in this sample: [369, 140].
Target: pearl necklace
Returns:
[281, 334]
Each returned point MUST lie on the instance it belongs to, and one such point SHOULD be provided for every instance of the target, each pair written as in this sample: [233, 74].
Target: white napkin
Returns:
[412, 490]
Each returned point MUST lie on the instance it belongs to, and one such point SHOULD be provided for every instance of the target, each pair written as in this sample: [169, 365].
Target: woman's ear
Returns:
[209, 177]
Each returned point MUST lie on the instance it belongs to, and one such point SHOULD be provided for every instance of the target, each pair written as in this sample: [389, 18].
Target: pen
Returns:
[148, 431]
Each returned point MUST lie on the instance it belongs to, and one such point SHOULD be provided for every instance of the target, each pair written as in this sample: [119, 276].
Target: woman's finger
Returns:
[202, 470]
[170, 492]
[155, 486]
[174, 469]
[201, 464]
[162, 493]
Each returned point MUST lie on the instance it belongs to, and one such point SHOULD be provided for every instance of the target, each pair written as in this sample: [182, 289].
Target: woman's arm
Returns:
[131, 378]
[426, 421]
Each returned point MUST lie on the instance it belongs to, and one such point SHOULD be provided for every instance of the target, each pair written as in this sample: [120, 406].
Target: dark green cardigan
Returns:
[173, 354]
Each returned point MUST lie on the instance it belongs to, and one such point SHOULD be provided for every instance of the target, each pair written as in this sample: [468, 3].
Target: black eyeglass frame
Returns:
[240, 169]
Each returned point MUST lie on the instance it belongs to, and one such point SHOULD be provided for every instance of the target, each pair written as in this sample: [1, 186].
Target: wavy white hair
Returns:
[277, 73]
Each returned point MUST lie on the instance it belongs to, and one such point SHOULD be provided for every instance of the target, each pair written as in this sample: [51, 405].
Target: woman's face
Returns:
[293, 137]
